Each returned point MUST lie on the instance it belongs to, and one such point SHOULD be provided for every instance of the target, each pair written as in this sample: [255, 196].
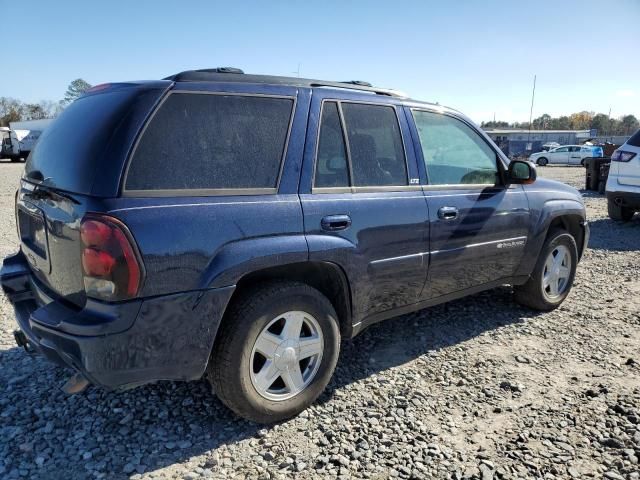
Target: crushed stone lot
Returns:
[477, 388]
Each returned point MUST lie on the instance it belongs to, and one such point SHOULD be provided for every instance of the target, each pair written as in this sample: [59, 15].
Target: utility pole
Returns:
[297, 72]
[533, 96]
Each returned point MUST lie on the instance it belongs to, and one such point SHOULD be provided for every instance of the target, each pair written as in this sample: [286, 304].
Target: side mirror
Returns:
[522, 172]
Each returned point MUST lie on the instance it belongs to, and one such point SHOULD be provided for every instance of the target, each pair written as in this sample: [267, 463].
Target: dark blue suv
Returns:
[239, 226]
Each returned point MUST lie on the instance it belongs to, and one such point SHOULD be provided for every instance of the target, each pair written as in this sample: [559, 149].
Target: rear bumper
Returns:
[117, 345]
[626, 199]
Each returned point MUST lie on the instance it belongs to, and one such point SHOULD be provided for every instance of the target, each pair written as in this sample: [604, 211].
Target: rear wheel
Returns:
[542, 161]
[277, 351]
[618, 212]
[553, 274]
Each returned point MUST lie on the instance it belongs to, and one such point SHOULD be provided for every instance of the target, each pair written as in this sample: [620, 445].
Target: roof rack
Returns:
[231, 74]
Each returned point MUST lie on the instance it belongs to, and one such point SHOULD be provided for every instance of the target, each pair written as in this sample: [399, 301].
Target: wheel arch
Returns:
[326, 277]
[564, 214]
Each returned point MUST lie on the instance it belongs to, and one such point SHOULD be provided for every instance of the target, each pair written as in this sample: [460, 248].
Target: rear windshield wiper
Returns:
[40, 181]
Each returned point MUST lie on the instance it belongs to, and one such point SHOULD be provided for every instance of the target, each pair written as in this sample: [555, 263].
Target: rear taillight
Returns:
[622, 156]
[110, 261]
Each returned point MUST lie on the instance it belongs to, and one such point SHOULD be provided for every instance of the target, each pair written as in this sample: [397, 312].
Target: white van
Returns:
[623, 184]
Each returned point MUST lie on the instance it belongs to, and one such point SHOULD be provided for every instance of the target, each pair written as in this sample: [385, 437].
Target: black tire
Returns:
[229, 367]
[532, 294]
[618, 212]
[542, 161]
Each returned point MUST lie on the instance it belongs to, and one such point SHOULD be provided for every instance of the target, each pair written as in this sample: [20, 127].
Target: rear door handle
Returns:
[335, 222]
[448, 213]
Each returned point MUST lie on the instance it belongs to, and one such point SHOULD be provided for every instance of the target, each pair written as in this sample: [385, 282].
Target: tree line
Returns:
[14, 110]
[624, 125]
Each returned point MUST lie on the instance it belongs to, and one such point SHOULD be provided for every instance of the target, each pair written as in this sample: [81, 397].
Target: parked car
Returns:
[623, 183]
[239, 226]
[565, 155]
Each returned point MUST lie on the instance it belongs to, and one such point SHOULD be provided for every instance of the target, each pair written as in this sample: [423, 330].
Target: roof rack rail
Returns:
[230, 74]
[360, 83]
[358, 87]
[234, 70]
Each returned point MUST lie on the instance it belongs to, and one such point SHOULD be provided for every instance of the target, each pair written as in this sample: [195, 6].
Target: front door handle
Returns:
[335, 222]
[448, 213]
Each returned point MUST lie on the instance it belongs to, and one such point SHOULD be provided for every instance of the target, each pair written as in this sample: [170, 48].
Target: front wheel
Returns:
[553, 274]
[277, 350]
[542, 161]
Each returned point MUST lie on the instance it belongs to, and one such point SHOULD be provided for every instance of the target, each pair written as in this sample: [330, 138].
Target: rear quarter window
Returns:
[211, 141]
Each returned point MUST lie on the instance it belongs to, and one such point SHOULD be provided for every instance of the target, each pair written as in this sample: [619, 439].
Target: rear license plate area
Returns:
[32, 231]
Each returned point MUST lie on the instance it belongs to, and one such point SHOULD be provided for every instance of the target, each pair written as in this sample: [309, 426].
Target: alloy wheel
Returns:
[286, 355]
[557, 272]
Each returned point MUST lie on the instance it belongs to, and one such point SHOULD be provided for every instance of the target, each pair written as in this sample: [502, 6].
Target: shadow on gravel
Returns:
[403, 339]
[45, 433]
[607, 234]
[591, 194]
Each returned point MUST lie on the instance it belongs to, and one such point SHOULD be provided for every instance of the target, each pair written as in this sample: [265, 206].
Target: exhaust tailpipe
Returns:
[76, 384]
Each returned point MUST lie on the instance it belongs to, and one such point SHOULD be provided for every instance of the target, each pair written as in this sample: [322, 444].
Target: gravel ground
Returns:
[477, 388]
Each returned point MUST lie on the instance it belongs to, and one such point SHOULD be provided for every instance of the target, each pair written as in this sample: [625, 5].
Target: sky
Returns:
[477, 56]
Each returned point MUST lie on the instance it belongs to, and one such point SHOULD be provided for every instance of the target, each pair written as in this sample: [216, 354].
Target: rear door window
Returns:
[331, 164]
[454, 154]
[212, 142]
[375, 145]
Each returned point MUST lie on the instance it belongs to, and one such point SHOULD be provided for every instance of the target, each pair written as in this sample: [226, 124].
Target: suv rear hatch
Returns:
[76, 164]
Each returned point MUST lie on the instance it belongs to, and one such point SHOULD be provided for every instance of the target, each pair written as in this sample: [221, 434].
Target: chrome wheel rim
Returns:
[557, 271]
[286, 355]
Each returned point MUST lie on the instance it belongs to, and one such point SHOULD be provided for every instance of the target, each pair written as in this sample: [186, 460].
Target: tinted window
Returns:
[454, 153]
[562, 149]
[69, 152]
[199, 141]
[331, 163]
[635, 139]
[375, 144]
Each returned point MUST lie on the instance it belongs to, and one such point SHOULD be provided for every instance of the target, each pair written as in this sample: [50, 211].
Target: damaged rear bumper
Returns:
[116, 345]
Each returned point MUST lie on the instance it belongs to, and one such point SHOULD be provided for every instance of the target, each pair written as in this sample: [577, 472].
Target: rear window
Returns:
[68, 153]
[634, 140]
[211, 141]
